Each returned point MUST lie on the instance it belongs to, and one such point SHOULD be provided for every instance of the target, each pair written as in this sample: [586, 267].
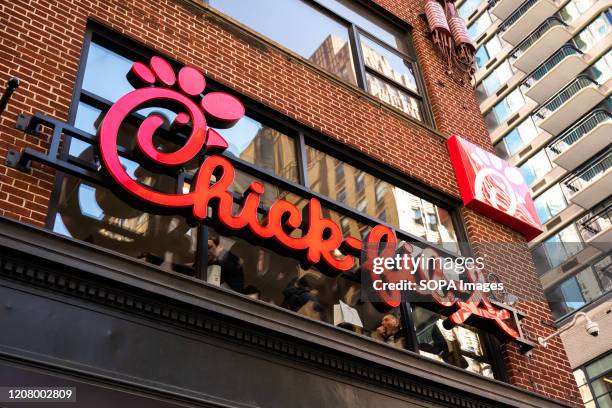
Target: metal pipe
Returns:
[11, 85]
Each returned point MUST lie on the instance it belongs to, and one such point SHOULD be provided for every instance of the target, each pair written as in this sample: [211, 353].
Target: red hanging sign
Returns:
[321, 243]
[493, 187]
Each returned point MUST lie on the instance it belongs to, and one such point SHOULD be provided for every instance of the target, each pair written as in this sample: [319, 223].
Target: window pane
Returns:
[572, 294]
[600, 366]
[588, 284]
[388, 63]
[550, 203]
[601, 386]
[460, 346]
[94, 214]
[263, 146]
[259, 273]
[482, 56]
[105, 73]
[301, 28]
[393, 96]
[403, 209]
[368, 21]
[536, 167]
[481, 25]
[603, 270]
[468, 8]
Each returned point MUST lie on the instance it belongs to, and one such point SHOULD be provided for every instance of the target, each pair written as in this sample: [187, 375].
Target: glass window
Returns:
[389, 64]
[264, 146]
[460, 346]
[595, 382]
[594, 32]
[317, 33]
[536, 167]
[96, 215]
[505, 108]
[468, 7]
[488, 50]
[498, 77]
[550, 203]
[394, 96]
[371, 195]
[301, 28]
[565, 298]
[480, 25]
[368, 21]
[557, 249]
[574, 9]
[601, 70]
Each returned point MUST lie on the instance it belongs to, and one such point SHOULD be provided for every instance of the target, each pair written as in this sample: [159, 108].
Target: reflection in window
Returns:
[518, 138]
[594, 381]
[387, 63]
[505, 108]
[601, 70]
[557, 249]
[268, 148]
[460, 346]
[94, 214]
[492, 82]
[488, 50]
[480, 25]
[318, 34]
[393, 96]
[259, 273]
[550, 203]
[301, 28]
[536, 167]
[594, 32]
[370, 195]
[579, 290]
[468, 7]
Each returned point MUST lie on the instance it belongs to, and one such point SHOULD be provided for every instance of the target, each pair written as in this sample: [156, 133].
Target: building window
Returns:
[329, 32]
[504, 109]
[480, 25]
[489, 50]
[518, 138]
[536, 167]
[468, 7]
[594, 33]
[550, 203]
[557, 249]
[581, 289]
[461, 346]
[403, 210]
[595, 382]
[492, 82]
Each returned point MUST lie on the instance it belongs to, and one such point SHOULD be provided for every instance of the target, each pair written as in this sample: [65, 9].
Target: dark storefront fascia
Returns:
[85, 312]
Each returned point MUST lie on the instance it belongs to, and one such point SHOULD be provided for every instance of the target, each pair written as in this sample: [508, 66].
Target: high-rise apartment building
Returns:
[543, 81]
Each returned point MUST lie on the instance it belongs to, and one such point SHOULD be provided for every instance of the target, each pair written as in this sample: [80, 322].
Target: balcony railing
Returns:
[576, 132]
[582, 81]
[599, 220]
[550, 63]
[589, 173]
[518, 13]
[535, 36]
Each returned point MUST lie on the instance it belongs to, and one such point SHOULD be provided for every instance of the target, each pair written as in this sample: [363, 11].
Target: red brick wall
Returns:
[40, 42]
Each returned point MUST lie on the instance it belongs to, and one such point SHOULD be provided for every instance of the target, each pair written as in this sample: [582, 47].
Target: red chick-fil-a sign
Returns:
[321, 242]
[493, 187]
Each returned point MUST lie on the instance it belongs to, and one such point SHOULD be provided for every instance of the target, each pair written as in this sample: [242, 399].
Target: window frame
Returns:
[354, 32]
[589, 380]
[127, 47]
